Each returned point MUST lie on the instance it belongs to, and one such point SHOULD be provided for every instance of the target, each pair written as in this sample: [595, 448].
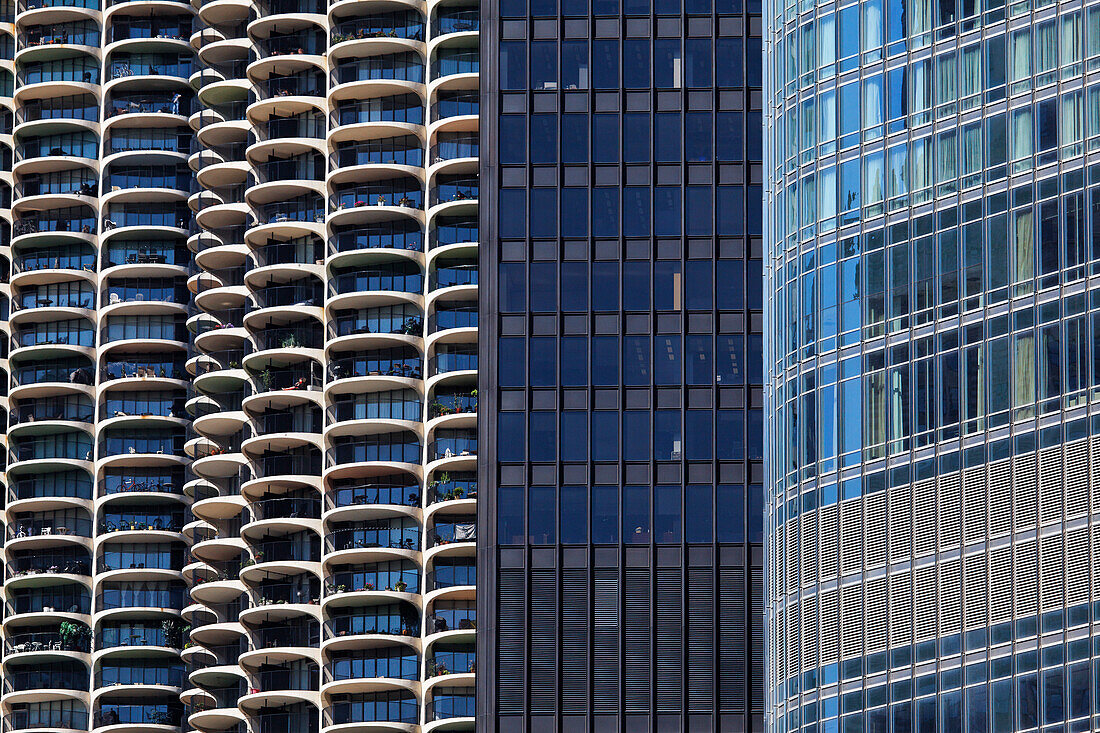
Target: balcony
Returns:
[370, 578]
[38, 563]
[70, 598]
[453, 145]
[407, 24]
[450, 61]
[403, 234]
[449, 703]
[451, 573]
[286, 508]
[138, 713]
[449, 532]
[406, 150]
[47, 676]
[72, 257]
[453, 444]
[403, 277]
[394, 619]
[456, 103]
[405, 67]
[402, 108]
[450, 358]
[76, 219]
[134, 595]
[448, 660]
[310, 84]
[355, 493]
[398, 534]
[385, 447]
[67, 484]
[72, 408]
[393, 662]
[452, 315]
[373, 707]
[304, 42]
[452, 273]
[402, 363]
[36, 718]
[447, 230]
[175, 103]
[60, 446]
[45, 641]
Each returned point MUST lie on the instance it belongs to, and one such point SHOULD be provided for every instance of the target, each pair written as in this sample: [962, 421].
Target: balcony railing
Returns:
[44, 718]
[368, 494]
[446, 704]
[393, 537]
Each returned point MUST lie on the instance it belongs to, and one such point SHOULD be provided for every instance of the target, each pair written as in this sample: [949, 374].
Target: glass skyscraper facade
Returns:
[932, 355]
[621, 469]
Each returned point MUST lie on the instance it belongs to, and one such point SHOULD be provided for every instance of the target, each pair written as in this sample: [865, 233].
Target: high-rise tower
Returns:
[335, 388]
[95, 508]
[933, 233]
[240, 364]
[620, 567]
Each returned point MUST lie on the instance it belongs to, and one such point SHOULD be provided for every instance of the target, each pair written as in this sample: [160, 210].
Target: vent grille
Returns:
[851, 631]
[1000, 497]
[974, 504]
[636, 653]
[1077, 566]
[875, 534]
[924, 611]
[901, 609]
[1024, 501]
[574, 643]
[1052, 571]
[976, 590]
[669, 640]
[951, 597]
[1077, 479]
[830, 552]
[512, 650]
[924, 517]
[949, 517]
[830, 626]
[876, 614]
[1000, 579]
[1050, 485]
[900, 517]
[1026, 578]
[544, 640]
[605, 642]
[851, 536]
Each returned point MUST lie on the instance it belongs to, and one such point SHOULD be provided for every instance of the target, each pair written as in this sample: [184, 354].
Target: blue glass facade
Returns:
[933, 235]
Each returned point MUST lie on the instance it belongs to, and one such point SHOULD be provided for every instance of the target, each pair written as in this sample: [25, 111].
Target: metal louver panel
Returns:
[669, 641]
[1050, 485]
[605, 641]
[637, 650]
[510, 659]
[544, 636]
[574, 645]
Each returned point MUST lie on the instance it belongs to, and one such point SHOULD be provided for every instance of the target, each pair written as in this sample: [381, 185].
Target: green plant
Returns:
[267, 377]
[74, 635]
[174, 632]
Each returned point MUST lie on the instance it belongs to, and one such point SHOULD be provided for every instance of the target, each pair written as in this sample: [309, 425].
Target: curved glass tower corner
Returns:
[933, 225]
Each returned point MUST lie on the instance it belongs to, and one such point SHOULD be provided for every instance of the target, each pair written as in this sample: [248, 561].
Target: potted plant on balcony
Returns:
[400, 586]
[74, 635]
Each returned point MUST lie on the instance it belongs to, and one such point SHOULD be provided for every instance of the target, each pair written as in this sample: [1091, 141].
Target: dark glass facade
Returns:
[621, 580]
